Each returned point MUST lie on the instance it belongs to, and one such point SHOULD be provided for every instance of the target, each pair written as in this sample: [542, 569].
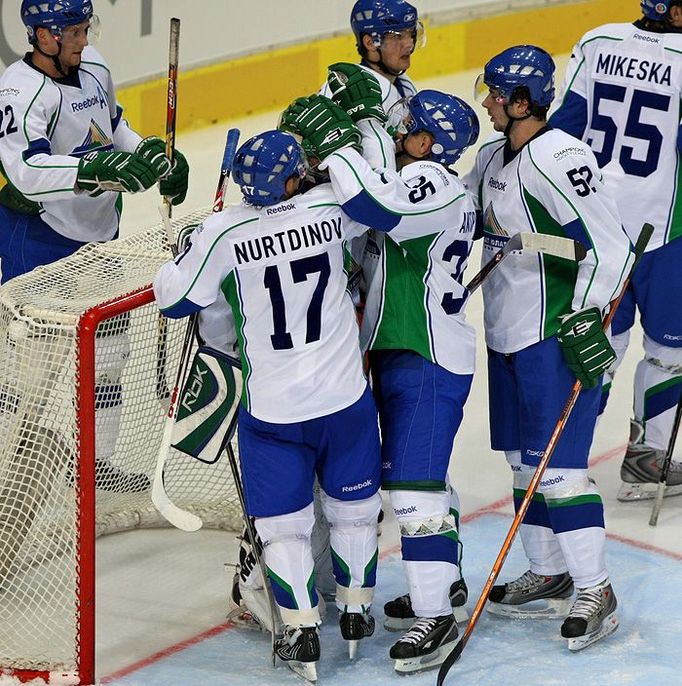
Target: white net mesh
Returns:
[135, 366]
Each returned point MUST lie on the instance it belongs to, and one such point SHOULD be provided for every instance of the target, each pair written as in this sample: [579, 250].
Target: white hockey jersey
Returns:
[281, 269]
[622, 96]
[553, 186]
[415, 299]
[48, 124]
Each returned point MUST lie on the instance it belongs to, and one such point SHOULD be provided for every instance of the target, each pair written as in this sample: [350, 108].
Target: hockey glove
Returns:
[125, 172]
[357, 91]
[324, 126]
[585, 346]
[153, 149]
[174, 186]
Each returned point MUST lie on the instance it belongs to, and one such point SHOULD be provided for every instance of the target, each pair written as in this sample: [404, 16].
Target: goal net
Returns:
[86, 368]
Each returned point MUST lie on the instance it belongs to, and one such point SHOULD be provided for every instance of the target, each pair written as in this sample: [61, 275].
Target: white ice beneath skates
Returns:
[532, 596]
[592, 617]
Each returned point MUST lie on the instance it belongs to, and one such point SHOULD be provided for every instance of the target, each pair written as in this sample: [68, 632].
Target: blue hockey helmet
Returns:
[379, 17]
[655, 10]
[522, 65]
[452, 123]
[264, 163]
[54, 15]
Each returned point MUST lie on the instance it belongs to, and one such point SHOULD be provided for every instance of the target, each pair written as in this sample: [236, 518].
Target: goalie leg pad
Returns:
[430, 549]
[353, 540]
[289, 561]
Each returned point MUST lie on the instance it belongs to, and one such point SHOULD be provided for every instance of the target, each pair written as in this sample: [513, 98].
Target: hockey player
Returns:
[543, 330]
[66, 151]
[622, 94]
[421, 348]
[306, 409]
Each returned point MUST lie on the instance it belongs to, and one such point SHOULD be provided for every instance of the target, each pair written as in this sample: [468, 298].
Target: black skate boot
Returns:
[641, 469]
[518, 598]
[400, 615]
[425, 645]
[592, 617]
[299, 647]
[354, 627]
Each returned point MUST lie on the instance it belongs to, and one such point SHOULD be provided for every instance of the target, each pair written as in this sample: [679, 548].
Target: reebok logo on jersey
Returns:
[629, 67]
[497, 185]
[668, 337]
[89, 102]
[281, 208]
[356, 487]
[401, 511]
[646, 39]
[535, 453]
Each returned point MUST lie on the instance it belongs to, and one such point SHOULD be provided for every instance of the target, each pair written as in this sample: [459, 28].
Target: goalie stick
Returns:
[456, 651]
[556, 246]
[177, 517]
[660, 491]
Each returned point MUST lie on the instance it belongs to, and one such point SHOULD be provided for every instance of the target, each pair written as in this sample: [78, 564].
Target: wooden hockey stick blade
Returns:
[566, 248]
[450, 660]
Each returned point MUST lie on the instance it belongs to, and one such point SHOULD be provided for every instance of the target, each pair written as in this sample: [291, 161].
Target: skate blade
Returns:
[306, 670]
[410, 665]
[352, 649]
[608, 626]
[549, 608]
[644, 491]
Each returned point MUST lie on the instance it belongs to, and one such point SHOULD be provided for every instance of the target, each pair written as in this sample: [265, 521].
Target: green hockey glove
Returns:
[586, 348]
[153, 149]
[322, 124]
[357, 91]
[174, 186]
[125, 172]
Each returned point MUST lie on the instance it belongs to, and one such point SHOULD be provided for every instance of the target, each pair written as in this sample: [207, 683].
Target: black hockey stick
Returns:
[660, 491]
[556, 246]
[456, 651]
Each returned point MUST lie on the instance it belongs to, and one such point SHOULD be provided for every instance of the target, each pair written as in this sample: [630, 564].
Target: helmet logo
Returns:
[661, 7]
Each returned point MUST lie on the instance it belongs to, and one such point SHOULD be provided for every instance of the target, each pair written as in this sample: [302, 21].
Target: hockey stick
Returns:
[660, 491]
[456, 651]
[166, 207]
[556, 246]
[176, 516]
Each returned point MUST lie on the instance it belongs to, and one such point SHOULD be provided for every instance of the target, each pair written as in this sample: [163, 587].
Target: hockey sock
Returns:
[576, 514]
[430, 548]
[289, 561]
[658, 386]
[539, 542]
[353, 540]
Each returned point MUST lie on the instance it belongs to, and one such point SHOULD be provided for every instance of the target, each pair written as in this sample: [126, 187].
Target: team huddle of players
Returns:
[357, 180]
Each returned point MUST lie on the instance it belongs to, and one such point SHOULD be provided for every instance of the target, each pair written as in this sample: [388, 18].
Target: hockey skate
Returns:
[641, 470]
[425, 645]
[532, 596]
[354, 627]
[592, 617]
[400, 615]
[299, 647]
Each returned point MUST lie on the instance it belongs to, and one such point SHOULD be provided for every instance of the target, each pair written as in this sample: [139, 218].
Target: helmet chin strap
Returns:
[55, 58]
[510, 123]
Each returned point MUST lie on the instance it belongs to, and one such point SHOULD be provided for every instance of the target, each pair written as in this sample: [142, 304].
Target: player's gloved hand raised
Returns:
[174, 186]
[357, 91]
[153, 149]
[125, 172]
[323, 125]
[586, 348]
